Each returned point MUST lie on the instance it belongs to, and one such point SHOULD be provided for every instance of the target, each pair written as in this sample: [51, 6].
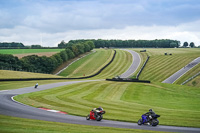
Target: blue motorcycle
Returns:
[149, 120]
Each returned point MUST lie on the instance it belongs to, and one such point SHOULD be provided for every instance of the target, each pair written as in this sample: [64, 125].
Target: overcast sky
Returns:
[48, 22]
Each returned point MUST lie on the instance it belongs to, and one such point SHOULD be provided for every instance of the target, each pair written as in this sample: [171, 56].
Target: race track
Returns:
[13, 108]
[135, 64]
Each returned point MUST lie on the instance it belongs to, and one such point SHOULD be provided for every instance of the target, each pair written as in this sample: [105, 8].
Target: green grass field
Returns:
[25, 51]
[194, 82]
[21, 125]
[92, 63]
[160, 66]
[177, 105]
[89, 65]
[121, 63]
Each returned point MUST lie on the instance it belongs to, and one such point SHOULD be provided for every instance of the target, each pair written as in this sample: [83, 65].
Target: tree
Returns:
[86, 47]
[91, 44]
[173, 45]
[64, 55]
[36, 46]
[62, 44]
[58, 58]
[69, 53]
[192, 45]
[8, 61]
[185, 44]
[80, 47]
[75, 50]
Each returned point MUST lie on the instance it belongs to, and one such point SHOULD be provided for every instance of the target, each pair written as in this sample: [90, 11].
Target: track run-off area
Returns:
[115, 97]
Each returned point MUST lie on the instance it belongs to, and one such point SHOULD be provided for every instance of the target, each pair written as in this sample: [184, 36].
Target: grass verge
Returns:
[22, 125]
[7, 74]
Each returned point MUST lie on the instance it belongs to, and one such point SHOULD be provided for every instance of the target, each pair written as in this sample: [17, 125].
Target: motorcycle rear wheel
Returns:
[88, 117]
[140, 122]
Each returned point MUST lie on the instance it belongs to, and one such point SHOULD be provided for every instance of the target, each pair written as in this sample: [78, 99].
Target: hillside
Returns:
[160, 66]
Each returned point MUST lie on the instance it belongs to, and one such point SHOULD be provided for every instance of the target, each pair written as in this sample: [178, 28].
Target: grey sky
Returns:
[48, 22]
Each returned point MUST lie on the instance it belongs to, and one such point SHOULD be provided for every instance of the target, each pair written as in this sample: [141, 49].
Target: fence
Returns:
[142, 67]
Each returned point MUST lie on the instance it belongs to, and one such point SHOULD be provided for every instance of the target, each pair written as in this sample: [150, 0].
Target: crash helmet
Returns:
[150, 110]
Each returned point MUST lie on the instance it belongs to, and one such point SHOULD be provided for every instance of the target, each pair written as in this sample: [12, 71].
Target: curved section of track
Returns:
[134, 66]
[13, 108]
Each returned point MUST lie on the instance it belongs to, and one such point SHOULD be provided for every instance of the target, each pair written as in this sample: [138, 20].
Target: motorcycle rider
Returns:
[96, 110]
[36, 85]
[149, 115]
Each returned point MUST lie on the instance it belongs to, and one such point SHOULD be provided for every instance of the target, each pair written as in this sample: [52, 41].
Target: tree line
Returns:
[43, 64]
[11, 45]
[162, 43]
[19, 45]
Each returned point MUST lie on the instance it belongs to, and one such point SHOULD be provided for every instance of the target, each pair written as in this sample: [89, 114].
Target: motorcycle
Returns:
[151, 120]
[92, 116]
[36, 86]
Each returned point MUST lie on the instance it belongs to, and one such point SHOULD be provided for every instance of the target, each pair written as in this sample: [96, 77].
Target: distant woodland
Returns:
[34, 63]
[162, 43]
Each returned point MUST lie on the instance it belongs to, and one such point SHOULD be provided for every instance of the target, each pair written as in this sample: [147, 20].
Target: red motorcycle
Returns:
[99, 116]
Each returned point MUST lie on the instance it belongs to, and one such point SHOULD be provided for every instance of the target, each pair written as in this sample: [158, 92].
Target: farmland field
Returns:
[123, 101]
[25, 51]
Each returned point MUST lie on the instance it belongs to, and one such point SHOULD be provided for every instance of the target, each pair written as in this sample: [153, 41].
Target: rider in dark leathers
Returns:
[149, 115]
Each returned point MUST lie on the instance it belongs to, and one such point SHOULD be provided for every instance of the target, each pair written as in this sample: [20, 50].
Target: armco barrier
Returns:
[142, 68]
[191, 78]
[64, 78]
[128, 80]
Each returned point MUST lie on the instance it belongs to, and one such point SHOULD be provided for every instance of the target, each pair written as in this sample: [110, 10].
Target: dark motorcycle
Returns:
[92, 116]
[149, 120]
[36, 86]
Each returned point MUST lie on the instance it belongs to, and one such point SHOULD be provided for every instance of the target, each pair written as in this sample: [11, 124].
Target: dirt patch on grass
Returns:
[48, 54]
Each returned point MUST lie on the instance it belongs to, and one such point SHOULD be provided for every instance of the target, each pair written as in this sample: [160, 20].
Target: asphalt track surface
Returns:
[182, 71]
[134, 66]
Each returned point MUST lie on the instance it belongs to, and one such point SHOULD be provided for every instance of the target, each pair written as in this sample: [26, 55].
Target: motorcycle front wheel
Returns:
[155, 122]
[99, 118]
